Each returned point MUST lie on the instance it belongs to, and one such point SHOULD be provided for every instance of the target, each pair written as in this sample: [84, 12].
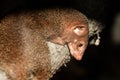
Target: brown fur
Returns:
[23, 36]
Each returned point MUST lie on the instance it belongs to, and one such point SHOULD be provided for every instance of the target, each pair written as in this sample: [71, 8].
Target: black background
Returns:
[98, 63]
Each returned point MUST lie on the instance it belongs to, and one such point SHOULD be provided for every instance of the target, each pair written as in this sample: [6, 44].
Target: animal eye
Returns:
[79, 30]
[79, 27]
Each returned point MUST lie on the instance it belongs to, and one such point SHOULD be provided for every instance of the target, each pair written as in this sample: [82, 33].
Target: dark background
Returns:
[98, 63]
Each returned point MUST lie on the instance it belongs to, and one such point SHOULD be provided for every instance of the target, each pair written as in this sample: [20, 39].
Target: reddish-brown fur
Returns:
[23, 36]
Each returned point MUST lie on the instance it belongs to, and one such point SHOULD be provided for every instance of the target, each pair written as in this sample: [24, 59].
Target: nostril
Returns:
[80, 45]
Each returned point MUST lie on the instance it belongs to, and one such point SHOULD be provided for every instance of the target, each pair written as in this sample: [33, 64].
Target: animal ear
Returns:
[58, 40]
